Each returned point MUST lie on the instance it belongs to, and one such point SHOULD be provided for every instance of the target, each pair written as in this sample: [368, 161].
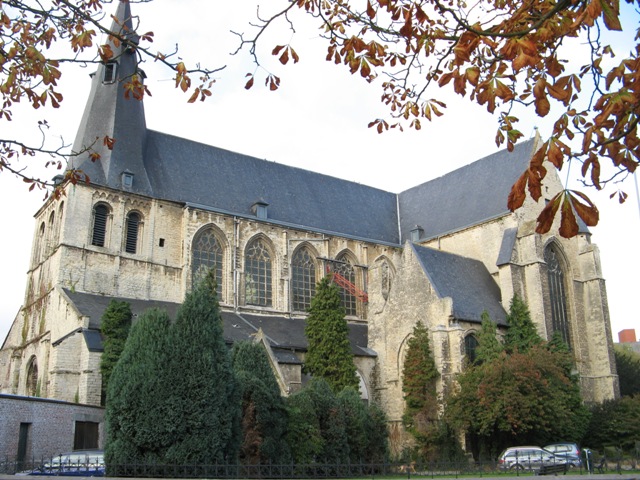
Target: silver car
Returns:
[568, 451]
[527, 458]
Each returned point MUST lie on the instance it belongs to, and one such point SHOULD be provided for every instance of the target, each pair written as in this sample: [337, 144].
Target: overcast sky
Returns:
[316, 121]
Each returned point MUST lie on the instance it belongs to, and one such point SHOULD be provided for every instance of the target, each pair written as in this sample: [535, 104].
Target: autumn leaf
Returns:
[548, 213]
[108, 142]
[249, 83]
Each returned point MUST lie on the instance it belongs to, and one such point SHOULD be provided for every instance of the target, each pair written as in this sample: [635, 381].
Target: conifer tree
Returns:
[331, 422]
[264, 416]
[114, 327]
[204, 405]
[489, 347]
[522, 333]
[136, 411]
[329, 353]
[303, 434]
[419, 376]
[365, 428]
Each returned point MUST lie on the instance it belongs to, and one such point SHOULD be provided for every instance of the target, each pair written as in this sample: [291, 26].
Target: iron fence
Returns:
[288, 471]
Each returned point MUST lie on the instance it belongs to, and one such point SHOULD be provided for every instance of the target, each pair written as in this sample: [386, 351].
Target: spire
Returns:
[109, 113]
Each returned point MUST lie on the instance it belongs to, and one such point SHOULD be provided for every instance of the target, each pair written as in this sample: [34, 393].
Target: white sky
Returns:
[317, 121]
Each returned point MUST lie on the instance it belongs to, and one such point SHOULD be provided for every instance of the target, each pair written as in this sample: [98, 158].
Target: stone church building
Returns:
[160, 210]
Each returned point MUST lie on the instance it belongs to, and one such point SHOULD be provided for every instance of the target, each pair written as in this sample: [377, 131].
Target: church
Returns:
[161, 210]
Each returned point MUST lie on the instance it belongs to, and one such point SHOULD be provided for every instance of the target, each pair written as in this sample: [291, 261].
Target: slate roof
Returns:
[176, 169]
[283, 334]
[232, 182]
[466, 196]
[465, 280]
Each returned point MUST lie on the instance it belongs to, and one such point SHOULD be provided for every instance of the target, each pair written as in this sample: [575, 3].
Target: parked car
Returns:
[569, 451]
[81, 463]
[527, 458]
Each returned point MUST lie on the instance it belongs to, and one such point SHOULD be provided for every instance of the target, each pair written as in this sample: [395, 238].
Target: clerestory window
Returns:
[344, 267]
[303, 279]
[207, 254]
[257, 271]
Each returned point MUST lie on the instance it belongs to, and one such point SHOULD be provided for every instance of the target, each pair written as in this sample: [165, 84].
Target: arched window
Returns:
[32, 378]
[470, 347]
[132, 230]
[344, 267]
[51, 238]
[207, 254]
[557, 294]
[59, 222]
[257, 271]
[39, 253]
[100, 222]
[303, 279]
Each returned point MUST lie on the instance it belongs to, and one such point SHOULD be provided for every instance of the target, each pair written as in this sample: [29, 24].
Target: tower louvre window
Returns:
[132, 232]
[109, 75]
[100, 219]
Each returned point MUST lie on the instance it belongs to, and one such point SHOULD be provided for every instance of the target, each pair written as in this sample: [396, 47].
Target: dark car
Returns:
[527, 458]
[81, 463]
[569, 451]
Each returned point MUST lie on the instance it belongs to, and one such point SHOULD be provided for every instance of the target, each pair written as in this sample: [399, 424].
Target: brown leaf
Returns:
[517, 194]
[249, 83]
[370, 10]
[548, 213]
[568, 224]
[109, 142]
[587, 211]
[284, 58]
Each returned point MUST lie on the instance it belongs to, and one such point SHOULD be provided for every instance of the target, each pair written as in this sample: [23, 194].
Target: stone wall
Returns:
[51, 425]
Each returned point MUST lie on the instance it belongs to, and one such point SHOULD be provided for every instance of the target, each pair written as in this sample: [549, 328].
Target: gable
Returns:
[467, 196]
[466, 281]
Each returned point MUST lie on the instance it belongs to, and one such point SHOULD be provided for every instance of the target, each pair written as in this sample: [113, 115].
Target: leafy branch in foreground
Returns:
[37, 39]
[502, 54]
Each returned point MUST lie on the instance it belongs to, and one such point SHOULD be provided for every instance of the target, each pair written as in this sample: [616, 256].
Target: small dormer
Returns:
[127, 179]
[417, 233]
[57, 180]
[259, 209]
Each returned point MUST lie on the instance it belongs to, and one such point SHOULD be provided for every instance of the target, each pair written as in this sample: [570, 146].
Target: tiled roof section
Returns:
[109, 113]
[507, 246]
[191, 172]
[465, 197]
[93, 306]
[283, 333]
[466, 281]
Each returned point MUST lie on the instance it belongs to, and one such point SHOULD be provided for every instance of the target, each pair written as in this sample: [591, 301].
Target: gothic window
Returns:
[470, 347]
[59, 223]
[557, 295]
[32, 378]
[207, 254]
[257, 270]
[303, 279]
[40, 244]
[100, 221]
[51, 239]
[344, 267]
[132, 231]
